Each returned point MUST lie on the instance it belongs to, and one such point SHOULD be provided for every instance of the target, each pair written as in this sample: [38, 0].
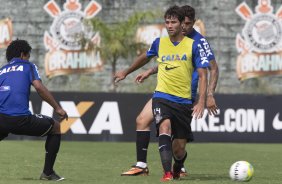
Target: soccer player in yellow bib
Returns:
[177, 58]
[145, 117]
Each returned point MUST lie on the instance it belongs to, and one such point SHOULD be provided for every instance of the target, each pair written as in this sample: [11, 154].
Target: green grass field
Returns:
[102, 162]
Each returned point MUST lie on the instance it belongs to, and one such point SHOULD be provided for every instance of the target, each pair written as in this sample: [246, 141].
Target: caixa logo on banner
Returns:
[107, 118]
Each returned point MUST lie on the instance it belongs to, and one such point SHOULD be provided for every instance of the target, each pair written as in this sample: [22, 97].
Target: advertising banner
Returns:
[111, 117]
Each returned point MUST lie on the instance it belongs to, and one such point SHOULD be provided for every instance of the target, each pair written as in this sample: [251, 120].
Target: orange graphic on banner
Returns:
[52, 8]
[264, 6]
[6, 32]
[82, 107]
[72, 5]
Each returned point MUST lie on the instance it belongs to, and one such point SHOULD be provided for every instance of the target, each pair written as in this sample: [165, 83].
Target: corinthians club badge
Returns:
[65, 42]
[260, 44]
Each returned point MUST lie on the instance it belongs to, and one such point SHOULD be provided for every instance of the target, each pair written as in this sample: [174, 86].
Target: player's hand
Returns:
[142, 76]
[119, 75]
[211, 105]
[198, 110]
[62, 114]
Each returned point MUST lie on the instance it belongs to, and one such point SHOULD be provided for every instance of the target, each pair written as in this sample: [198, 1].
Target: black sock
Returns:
[52, 146]
[165, 151]
[142, 143]
[180, 162]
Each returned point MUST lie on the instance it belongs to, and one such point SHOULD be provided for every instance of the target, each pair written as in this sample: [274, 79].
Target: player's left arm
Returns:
[144, 75]
[213, 77]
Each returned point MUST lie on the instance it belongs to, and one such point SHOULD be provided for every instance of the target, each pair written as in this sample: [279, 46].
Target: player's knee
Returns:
[165, 128]
[142, 123]
[56, 128]
[179, 153]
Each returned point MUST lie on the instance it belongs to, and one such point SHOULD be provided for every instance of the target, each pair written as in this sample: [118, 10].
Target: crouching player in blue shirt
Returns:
[16, 77]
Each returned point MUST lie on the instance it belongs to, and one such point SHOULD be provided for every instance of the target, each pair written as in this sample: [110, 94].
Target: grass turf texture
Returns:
[102, 162]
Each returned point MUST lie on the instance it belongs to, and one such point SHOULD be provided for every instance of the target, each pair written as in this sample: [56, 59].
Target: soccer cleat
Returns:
[167, 177]
[183, 172]
[176, 171]
[52, 177]
[136, 171]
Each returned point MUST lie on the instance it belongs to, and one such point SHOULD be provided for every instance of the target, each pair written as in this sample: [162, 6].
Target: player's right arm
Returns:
[201, 63]
[210, 102]
[140, 61]
[213, 77]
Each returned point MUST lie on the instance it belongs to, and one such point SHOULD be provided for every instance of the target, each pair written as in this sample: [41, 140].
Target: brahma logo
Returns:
[260, 45]
[5, 32]
[71, 42]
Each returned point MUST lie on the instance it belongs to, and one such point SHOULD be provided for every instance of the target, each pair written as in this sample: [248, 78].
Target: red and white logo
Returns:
[260, 44]
[68, 42]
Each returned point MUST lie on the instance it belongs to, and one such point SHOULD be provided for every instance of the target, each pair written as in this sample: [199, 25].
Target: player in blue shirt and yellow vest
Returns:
[145, 118]
[16, 77]
[178, 56]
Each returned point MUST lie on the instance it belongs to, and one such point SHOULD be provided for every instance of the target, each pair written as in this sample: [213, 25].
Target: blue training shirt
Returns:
[209, 53]
[15, 80]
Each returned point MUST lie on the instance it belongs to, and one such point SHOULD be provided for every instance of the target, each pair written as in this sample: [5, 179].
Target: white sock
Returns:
[141, 164]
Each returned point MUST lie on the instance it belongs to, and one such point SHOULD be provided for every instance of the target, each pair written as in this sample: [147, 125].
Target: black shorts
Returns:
[32, 125]
[180, 116]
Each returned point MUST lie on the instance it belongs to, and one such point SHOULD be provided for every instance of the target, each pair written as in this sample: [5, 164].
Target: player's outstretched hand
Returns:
[211, 105]
[142, 76]
[198, 110]
[119, 75]
[62, 113]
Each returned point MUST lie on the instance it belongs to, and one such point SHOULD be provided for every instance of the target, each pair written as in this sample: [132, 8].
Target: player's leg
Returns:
[181, 135]
[165, 148]
[40, 125]
[162, 114]
[179, 155]
[52, 146]
[183, 171]
[143, 122]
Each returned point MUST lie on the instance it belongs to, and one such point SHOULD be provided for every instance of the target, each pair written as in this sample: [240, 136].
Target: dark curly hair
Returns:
[175, 11]
[17, 47]
[189, 12]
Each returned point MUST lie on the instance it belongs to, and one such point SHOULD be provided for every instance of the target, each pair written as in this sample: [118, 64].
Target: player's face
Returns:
[173, 26]
[187, 26]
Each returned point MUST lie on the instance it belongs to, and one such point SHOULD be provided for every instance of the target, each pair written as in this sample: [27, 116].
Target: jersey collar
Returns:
[16, 60]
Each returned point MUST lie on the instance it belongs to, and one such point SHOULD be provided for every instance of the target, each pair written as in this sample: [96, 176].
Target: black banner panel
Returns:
[112, 117]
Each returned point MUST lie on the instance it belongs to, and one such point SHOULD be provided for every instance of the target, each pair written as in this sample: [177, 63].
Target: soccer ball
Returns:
[241, 171]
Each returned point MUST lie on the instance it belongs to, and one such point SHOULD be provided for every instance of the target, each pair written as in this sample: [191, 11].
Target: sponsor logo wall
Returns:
[111, 117]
